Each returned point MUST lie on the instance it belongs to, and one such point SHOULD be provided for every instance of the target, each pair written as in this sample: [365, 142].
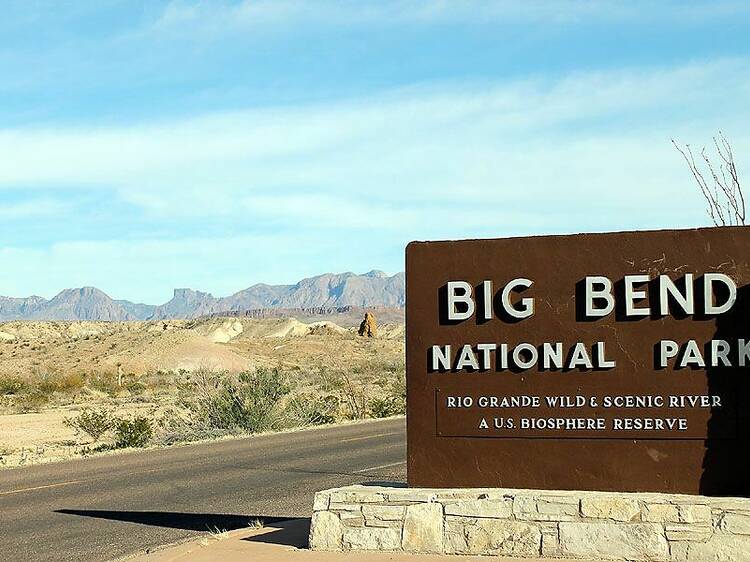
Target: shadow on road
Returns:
[187, 521]
[292, 532]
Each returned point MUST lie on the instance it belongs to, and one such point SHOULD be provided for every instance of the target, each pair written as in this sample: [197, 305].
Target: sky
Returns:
[151, 145]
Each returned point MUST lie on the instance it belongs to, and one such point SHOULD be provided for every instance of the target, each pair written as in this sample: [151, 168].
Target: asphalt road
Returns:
[105, 508]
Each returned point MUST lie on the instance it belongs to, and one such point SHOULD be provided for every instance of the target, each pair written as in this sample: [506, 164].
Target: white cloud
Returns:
[401, 153]
[347, 185]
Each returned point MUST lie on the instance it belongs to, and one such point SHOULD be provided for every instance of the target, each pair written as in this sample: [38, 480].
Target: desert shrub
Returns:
[393, 403]
[70, 382]
[387, 406]
[50, 383]
[104, 382]
[350, 391]
[86, 450]
[12, 385]
[46, 385]
[188, 433]
[166, 381]
[309, 409]
[382, 407]
[352, 395]
[32, 401]
[93, 423]
[246, 402]
[175, 427]
[135, 387]
[134, 432]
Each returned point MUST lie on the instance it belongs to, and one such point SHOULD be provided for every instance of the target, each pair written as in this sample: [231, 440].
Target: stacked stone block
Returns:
[533, 523]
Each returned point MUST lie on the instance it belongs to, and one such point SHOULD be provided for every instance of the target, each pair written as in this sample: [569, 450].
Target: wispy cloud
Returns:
[401, 152]
[215, 144]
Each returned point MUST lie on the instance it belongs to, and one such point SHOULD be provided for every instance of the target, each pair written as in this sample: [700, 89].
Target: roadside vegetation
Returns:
[70, 389]
[168, 408]
[215, 403]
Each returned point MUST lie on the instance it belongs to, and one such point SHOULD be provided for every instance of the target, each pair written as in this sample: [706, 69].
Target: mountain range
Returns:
[374, 288]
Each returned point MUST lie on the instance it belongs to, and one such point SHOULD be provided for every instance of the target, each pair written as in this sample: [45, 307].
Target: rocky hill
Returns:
[86, 303]
[374, 288]
[12, 308]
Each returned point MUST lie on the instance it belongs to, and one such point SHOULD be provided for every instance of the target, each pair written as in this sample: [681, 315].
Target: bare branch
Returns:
[714, 211]
[722, 192]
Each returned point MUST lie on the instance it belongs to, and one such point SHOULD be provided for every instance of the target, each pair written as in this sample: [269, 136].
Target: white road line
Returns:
[369, 436]
[379, 467]
[41, 487]
[69, 482]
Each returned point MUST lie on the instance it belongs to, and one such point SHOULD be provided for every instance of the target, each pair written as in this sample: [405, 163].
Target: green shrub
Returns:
[93, 423]
[386, 407]
[247, 402]
[12, 385]
[135, 432]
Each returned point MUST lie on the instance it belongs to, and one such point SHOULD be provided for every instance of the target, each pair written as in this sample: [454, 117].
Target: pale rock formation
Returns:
[369, 326]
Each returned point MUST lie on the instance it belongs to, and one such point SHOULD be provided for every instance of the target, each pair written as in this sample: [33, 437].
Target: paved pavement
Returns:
[109, 507]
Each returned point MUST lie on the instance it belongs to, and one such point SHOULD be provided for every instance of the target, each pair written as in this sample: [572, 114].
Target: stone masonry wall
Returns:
[533, 523]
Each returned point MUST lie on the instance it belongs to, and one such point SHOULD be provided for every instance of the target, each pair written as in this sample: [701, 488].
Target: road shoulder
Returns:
[285, 541]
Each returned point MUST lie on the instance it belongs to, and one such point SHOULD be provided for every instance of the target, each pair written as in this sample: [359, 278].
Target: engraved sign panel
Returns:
[615, 361]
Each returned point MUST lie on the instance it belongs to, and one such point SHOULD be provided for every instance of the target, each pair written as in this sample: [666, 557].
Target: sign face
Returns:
[616, 362]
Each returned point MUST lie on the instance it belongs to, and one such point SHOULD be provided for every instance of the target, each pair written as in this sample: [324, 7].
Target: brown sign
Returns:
[616, 361]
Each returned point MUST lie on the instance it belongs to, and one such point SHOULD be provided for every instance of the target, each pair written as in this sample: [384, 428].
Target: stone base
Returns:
[533, 523]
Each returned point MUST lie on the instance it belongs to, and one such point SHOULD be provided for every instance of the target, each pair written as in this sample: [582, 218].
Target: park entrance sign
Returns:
[615, 362]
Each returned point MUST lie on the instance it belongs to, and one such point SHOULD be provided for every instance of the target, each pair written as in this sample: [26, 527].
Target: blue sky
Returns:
[152, 145]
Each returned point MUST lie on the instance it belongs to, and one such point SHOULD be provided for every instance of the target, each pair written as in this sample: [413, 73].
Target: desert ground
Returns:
[180, 381]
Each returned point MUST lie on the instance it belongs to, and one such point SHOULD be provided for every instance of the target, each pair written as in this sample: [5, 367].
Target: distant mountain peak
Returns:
[376, 273]
[80, 303]
[186, 293]
[82, 291]
[374, 288]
